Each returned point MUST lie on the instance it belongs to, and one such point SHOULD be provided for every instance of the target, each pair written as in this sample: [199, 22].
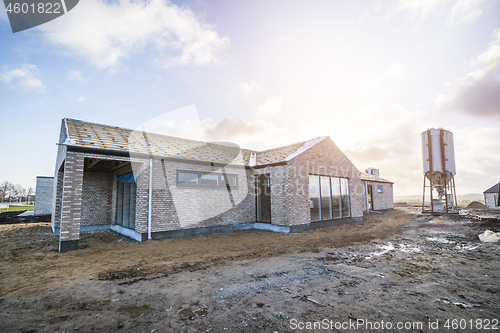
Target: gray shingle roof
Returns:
[112, 138]
[493, 189]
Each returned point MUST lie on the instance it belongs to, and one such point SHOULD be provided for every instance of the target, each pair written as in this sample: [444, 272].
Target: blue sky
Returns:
[370, 74]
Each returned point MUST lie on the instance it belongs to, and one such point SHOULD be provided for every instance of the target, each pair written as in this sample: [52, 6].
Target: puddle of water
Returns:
[439, 240]
[462, 305]
[459, 304]
[409, 248]
[135, 311]
[202, 312]
[186, 314]
[462, 247]
[467, 247]
[384, 248]
[58, 320]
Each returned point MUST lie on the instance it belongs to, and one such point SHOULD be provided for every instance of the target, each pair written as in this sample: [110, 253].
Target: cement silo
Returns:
[439, 170]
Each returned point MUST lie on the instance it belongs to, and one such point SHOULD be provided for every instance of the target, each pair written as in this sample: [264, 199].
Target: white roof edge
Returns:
[304, 147]
[68, 140]
[380, 178]
[66, 126]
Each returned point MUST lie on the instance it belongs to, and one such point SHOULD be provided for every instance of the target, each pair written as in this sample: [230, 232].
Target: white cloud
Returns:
[105, 32]
[478, 92]
[272, 105]
[421, 8]
[183, 123]
[246, 134]
[454, 10]
[466, 10]
[23, 78]
[389, 139]
[394, 71]
[80, 99]
[76, 75]
[250, 86]
[476, 158]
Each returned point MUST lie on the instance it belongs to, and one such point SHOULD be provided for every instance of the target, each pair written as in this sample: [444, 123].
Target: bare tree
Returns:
[5, 190]
[17, 190]
[29, 193]
[22, 194]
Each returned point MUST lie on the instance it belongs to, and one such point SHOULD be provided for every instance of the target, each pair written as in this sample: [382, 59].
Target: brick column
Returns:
[56, 210]
[71, 212]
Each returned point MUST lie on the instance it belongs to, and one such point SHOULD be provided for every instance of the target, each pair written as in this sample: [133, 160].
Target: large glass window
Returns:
[195, 179]
[314, 198]
[125, 204]
[328, 198]
[344, 190]
[336, 202]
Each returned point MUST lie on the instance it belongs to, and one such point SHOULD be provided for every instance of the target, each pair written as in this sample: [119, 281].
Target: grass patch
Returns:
[16, 208]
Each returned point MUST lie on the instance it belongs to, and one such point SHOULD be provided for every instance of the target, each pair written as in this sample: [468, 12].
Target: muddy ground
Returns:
[14, 218]
[396, 267]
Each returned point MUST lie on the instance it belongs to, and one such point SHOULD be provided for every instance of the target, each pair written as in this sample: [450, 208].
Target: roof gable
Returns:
[493, 189]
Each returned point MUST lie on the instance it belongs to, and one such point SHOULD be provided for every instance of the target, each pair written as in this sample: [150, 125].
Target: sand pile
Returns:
[476, 205]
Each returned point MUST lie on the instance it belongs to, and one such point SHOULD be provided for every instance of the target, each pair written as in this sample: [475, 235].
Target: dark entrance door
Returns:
[370, 197]
[125, 205]
[263, 197]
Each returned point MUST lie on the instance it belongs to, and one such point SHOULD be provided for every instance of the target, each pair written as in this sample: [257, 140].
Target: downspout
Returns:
[150, 196]
[366, 197]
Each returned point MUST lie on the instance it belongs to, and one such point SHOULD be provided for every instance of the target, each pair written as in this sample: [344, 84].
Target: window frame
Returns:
[321, 219]
[221, 183]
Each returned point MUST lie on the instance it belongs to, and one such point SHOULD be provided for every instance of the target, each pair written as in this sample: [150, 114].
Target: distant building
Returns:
[491, 197]
[44, 195]
[378, 191]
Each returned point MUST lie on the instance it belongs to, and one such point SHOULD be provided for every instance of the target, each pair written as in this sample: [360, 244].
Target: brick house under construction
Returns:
[151, 186]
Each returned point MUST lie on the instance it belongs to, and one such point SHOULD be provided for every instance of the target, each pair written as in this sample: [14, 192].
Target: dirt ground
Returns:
[395, 267]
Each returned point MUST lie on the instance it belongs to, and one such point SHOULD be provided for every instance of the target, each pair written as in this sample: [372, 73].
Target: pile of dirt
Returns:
[13, 218]
[476, 205]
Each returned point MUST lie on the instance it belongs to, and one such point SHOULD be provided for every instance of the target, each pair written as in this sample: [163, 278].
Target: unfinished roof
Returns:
[285, 153]
[91, 135]
[493, 189]
[372, 178]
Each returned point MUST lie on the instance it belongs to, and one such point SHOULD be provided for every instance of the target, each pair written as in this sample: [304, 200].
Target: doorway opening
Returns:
[263, 197]
[370, 197]
[125, 204]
